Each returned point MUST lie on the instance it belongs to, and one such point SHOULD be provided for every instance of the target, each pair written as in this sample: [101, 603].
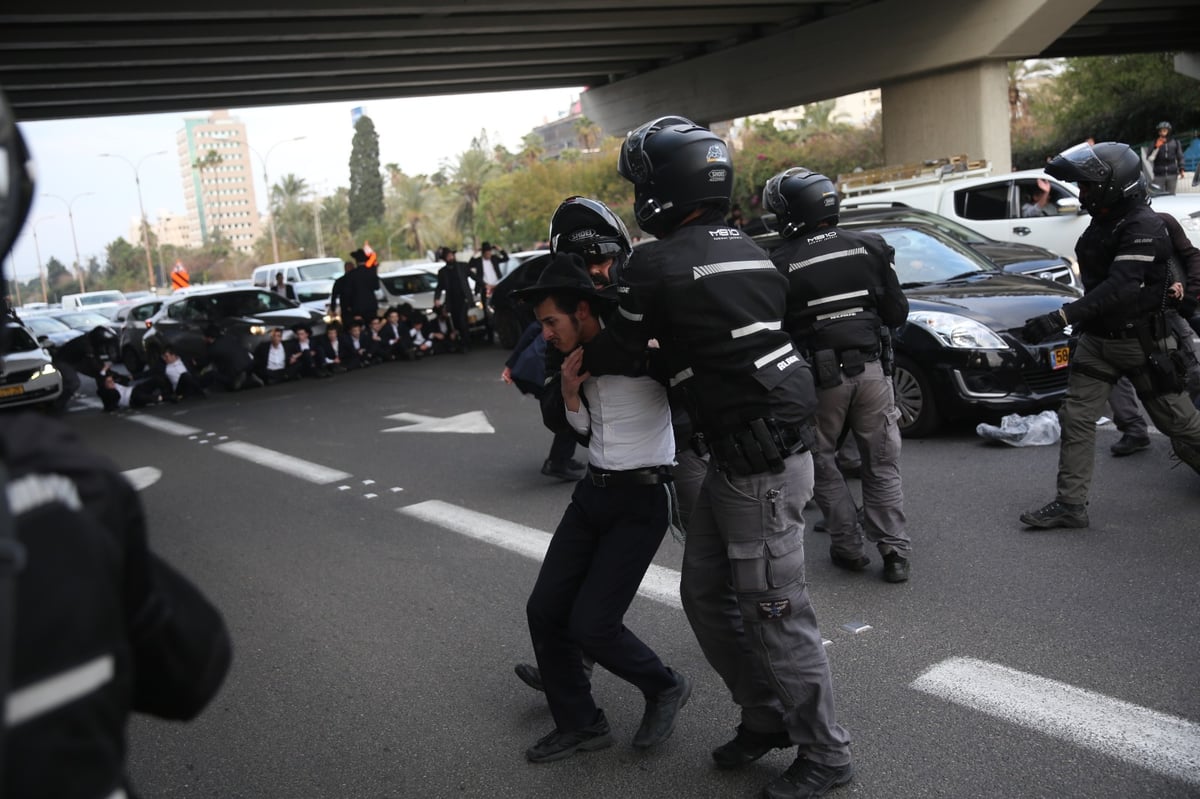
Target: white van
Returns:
[92, 300]
[308, 281]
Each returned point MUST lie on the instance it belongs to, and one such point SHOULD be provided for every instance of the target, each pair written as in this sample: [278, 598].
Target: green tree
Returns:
[366, 180]
[415, 199]
[588, 133]
[209, 160]
[471, 170]
[533, 148]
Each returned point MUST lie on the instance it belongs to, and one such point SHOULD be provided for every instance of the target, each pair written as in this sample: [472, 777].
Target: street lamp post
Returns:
[71, 217]
[141, 208]
[38, 251]
[267, 184]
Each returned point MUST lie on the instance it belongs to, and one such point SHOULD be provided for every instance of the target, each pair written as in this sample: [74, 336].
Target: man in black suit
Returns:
[363, 345]
[485, 268]
[361, 284]
[453, 283]
[395, 341]
[337, 353]
[302, 354]
[227, 363]
[271, 360]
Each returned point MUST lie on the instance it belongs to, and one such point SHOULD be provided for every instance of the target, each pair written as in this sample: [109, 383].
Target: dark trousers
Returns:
[562, 449]
[592, 570]
[458, 316]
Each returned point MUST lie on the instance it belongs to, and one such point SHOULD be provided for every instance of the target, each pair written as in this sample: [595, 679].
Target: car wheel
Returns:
[132, 361]
[914, 398]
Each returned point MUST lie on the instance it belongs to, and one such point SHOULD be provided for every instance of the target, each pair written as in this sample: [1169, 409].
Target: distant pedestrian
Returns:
[1167, 158]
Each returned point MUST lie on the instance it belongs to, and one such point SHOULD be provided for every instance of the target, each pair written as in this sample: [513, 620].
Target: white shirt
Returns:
[125, 393]
[418, 338]
[275, 357]
[491, 273]
[174, 372]
[630, 422]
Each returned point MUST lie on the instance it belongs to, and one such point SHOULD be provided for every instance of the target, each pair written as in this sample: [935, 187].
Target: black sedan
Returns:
[246, 313]
[960, 354]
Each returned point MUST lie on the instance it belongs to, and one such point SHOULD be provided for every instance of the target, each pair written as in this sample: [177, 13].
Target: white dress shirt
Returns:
[275, 357]
[174, 372]
[630, 422]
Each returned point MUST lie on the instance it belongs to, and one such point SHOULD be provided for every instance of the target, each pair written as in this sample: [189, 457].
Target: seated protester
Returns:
[397, 343]
[440, 331]
[337, 353]
[421, 345]
[373, 332]
[271, 360]
[302, 355]
[180, 379]
[227, 363]
[362, 344]
[116, 394]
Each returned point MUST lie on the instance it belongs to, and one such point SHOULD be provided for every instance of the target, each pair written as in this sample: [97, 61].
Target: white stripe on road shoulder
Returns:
[51, 693]
[305, 470]
[143, 477]
[163, 425]
[659, 584]
[1155, 741]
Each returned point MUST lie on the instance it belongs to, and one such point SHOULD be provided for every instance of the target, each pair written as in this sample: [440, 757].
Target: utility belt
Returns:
[760, 446]
[1152, 328]
[646, 476]
[828, 365]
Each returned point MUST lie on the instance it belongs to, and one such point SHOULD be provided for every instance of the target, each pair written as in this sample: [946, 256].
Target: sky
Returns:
[419, 134]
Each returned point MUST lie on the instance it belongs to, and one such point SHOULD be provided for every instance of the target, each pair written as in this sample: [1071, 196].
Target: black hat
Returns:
[487, 245]
[359, 256]
[566, 273]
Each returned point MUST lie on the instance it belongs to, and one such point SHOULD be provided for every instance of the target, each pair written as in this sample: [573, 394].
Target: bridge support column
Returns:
[956, 111]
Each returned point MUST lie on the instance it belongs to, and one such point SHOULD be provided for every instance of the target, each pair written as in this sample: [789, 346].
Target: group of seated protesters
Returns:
[400, 334]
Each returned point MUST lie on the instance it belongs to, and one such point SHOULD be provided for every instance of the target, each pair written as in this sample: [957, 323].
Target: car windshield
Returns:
[326, 270]
[409, 284]
[44, 325]
[88, 319]
[922, 257]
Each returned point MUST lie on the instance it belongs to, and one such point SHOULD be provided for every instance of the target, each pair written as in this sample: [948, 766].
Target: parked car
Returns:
[246, 313]
[100, 330]
[132, 321]
[93, 299]
[308, 281]
[415, 284]
[961, 354]
[48, 331]
[29, 377]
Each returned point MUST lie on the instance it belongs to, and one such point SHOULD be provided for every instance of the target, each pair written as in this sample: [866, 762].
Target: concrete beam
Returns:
[839, 55]
[1188, 64]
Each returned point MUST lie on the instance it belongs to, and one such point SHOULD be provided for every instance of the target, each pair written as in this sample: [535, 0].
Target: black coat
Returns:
[453, 284]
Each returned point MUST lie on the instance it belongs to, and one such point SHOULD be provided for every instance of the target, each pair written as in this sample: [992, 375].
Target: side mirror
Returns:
[1069, 205]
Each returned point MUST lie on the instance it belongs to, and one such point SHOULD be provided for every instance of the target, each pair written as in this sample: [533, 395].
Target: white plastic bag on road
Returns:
[1023, 431]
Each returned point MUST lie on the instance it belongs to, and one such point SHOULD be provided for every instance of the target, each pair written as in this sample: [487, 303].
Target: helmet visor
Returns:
[1079, 164]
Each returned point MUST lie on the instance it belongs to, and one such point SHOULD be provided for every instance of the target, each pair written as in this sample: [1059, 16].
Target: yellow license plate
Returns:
[1060, 357]
[11, 391]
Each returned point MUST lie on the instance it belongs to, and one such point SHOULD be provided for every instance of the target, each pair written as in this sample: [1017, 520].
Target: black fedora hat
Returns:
[566, 273]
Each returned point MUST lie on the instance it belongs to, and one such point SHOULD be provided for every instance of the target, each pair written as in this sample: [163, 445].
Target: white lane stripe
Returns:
[142, 477]
[163, 425]
[54, 692]
[305, 470]
[1155, 741]
[659, 584]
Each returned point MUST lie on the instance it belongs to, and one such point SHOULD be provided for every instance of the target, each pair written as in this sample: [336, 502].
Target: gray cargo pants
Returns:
[745, 595]
[866, 403]
[1173, 414]
[1127, 416]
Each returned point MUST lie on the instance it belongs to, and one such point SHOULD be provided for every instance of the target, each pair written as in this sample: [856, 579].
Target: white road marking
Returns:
[144, 477]
[659, 584]
[1155, 741]
[469, 422]
[305, 470]
[163, 425]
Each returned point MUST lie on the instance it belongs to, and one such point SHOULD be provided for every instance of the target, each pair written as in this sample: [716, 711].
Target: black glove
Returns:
[1042, 327]
[1187, 307]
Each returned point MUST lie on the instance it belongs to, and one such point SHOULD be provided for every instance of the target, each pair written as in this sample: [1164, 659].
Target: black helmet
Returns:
[1109, 174]
[1164, 125]
[675, 166]
[590, 229]
[801, 200]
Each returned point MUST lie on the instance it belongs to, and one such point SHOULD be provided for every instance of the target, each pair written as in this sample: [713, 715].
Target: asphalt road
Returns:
[374, 649]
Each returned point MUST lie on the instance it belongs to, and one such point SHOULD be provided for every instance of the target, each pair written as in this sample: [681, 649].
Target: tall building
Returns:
[218, 182]
[169, 228]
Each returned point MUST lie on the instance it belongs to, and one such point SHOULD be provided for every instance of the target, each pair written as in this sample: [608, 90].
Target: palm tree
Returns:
[414, 196]
[588, 133]
[1020, 75]
[473, 169]
[533, 147]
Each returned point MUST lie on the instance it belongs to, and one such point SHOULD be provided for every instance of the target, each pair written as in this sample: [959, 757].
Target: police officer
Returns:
[1123, 261]
[715, 303]
[843, 294]
[92, 625]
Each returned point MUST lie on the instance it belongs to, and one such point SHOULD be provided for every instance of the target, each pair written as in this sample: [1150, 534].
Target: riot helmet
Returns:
[801, 200]
[590, 229]
[1164, 125]
[1109, 174]
[675, 166]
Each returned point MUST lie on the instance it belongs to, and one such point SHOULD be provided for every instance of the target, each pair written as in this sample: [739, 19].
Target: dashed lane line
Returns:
[1155, 741]
[660, 584]
[288, 464]
[163, 425]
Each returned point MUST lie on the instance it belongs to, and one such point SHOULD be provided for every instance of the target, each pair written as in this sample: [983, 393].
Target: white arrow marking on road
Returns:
[144, 477]
[1155, 741]
[659, 584]
[469, 422]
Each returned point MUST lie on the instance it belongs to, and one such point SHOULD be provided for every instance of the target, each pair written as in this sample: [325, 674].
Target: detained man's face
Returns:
[599, 273]
[561, 330]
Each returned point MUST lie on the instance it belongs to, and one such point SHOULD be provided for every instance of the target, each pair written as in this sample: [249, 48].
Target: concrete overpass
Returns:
[940, 63]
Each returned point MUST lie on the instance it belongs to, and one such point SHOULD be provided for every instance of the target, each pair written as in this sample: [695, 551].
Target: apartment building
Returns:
[218, 184]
